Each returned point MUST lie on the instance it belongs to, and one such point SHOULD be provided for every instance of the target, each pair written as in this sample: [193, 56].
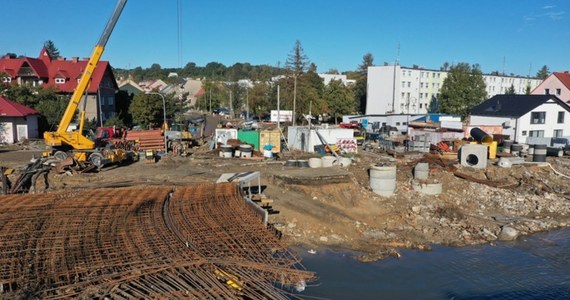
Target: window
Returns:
[397, 123]
[403, 84]
[547, 91]
[536, 133]
[524, 133]
[421, 105]
[557, 133]
[383, 123]
[6, 79]
[409, 83]
[409, 73]
[404, 123]
[537, 117]
[560, 117]
[558, 92]
[403, 73]
[60, 80]
[403, 95]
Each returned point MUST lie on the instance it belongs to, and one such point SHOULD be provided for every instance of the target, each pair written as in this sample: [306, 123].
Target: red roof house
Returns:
[64, 75]
[17, 122]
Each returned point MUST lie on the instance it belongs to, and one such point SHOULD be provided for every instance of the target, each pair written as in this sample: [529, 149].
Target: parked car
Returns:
[222, 111]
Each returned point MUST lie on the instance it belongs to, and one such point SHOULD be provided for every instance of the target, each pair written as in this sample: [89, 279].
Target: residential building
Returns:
[523, 117]
[558, 84]
[327, 78]
[194, 89]
[64, 75]
[131, 87]
[393, 89]
[17, 122]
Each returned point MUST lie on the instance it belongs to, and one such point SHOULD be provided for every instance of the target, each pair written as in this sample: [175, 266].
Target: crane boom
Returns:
[76, 140]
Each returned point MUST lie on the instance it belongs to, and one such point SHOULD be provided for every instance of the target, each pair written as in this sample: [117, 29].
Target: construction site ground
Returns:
[335, 207]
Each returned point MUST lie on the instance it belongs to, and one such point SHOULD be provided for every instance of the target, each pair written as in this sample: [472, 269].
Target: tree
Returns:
[543, 72]
[259, 99]
[463, 88]
[147, 109]
[360, 88]
[510, 90]
[296, 64]
[433, 106]
[339, 98]
[52, 49]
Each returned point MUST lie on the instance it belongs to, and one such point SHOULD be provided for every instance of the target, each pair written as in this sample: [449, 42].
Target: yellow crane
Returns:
[64, 143]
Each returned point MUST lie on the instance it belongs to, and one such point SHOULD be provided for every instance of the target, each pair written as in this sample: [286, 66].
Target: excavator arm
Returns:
[76, 140]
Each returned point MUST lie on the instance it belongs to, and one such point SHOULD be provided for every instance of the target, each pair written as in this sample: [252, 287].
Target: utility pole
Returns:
[278, 111]
[210, 112]
[294, 97]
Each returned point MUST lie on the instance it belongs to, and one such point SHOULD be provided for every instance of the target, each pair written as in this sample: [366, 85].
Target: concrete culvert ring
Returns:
[472, 159]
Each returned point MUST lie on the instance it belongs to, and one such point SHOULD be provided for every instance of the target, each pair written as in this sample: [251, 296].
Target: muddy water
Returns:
[536, 267]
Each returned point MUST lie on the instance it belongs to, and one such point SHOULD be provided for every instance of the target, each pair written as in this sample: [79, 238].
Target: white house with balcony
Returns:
[524, 117]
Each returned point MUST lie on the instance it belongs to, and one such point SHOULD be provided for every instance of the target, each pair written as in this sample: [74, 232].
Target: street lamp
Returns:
[164, 115]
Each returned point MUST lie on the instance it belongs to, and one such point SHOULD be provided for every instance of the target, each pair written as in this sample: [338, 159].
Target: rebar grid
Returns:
[199, 241]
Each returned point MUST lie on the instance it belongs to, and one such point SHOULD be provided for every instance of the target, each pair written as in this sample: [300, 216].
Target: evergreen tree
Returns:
[543, 72]
[296, 64]
[52, 49]
[360, 88]
[510, 90]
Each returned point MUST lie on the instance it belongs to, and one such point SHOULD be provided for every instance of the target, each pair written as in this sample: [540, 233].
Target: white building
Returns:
[327, 78]
[524, 117]
[393, 89]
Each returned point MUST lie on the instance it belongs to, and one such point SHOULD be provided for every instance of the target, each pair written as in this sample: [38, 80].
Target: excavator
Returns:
[74, 144]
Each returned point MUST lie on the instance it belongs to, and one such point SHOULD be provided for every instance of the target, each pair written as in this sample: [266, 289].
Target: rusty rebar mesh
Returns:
[198, 241]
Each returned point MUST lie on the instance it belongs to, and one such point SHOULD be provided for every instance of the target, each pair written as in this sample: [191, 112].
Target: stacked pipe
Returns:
[147, 139]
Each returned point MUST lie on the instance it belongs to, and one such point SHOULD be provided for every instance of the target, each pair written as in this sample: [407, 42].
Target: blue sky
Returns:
[514, 36]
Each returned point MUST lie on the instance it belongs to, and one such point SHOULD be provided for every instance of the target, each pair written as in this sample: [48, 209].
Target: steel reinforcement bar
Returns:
[198, 241]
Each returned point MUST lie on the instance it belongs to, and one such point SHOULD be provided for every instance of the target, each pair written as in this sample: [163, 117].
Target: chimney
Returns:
[75, 59]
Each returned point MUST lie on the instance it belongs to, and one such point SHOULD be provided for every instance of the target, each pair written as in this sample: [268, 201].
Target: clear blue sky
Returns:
[515, 35]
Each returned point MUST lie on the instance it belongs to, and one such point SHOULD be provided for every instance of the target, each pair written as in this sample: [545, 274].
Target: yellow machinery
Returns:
[82, 148]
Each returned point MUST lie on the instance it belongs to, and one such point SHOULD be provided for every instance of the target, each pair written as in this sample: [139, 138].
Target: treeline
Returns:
[212, 71]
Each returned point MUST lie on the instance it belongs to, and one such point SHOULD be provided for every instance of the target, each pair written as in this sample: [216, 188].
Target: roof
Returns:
[564, 77]
[13, 109]
[74, 69]
[48, 69]
[513, 105]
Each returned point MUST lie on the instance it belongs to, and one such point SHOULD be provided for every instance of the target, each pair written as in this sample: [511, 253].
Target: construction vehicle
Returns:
[74, 143]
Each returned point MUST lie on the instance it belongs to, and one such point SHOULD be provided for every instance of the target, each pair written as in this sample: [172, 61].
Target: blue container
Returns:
[320, 149]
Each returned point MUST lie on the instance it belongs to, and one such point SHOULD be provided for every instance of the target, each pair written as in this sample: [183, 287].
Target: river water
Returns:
[535, 267]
